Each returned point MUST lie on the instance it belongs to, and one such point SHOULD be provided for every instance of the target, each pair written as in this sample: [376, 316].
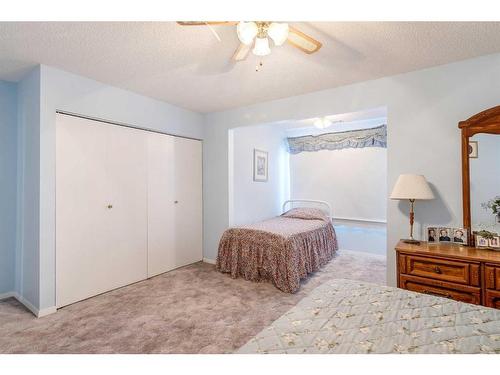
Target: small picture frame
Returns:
[494, 243]
[460, 236]
[473, 149]
[444, 234]
[260, 165]
[481, 241]
[432, 235]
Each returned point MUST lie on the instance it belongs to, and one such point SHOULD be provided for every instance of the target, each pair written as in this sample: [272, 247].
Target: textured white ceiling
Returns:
[188, 67]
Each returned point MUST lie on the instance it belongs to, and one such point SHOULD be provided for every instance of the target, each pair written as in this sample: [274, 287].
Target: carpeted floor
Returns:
[190, 310]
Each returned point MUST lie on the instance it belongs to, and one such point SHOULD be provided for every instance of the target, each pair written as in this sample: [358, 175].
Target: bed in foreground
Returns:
[345, 316]
[283, 250]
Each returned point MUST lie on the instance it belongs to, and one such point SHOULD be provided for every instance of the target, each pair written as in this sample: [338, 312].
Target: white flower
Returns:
[400, 348]
[290, 338]
[321, 344]
[485, 348]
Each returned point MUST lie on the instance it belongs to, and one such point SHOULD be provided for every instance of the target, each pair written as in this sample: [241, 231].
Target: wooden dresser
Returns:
[462, 273]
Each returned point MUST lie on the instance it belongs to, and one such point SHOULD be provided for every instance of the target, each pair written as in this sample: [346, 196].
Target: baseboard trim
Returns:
[209, 261]
[360, 220]
[46, 311]
[39, 313]
[7, 295]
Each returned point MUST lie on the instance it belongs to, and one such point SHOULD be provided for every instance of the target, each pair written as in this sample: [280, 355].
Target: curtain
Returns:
[373, 137]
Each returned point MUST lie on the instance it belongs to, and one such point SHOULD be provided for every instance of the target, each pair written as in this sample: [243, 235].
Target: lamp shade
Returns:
[246, 32]
[261, 47]
[278, 32]
[411, 186]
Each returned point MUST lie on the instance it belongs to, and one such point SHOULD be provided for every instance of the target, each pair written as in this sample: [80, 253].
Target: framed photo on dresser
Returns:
[460, 236]
[432, 236]
[436, 234]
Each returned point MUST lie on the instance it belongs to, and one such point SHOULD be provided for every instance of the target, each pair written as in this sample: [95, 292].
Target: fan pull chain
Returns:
[259, 66]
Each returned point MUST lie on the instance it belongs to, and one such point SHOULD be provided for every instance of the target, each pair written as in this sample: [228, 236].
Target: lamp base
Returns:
[413, 242]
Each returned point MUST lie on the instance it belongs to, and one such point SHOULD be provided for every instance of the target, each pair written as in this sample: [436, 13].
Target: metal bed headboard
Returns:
[314, 202]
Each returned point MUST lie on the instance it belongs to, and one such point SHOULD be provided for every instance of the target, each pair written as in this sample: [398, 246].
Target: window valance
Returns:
[373, 137]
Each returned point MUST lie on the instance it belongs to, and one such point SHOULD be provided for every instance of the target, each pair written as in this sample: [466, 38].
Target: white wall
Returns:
[352, 180]
[251, 200]
[43, 92]
[424, 108]
[8, 184]
[28, 185]
[485, 180]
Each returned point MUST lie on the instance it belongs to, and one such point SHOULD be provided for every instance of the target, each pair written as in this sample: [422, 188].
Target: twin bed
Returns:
[284, 249]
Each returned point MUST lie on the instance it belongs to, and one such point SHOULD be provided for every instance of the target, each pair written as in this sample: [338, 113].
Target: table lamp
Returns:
[412, 187]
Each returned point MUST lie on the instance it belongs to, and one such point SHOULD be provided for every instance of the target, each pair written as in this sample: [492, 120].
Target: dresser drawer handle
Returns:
[437, 269]
[447, 295]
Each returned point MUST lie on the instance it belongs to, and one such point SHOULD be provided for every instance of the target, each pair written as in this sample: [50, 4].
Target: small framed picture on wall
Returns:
[260, 165]
[473, 149]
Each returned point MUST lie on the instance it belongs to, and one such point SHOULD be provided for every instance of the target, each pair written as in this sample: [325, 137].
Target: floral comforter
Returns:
[344, 316]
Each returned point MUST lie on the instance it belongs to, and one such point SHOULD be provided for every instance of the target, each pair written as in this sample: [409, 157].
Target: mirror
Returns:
[481, 171]
[484, 164]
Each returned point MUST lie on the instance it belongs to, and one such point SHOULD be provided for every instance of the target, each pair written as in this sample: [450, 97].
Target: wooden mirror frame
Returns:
[488, 122]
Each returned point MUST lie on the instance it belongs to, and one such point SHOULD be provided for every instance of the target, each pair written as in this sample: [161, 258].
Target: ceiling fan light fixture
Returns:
[261, 47]
[247, 31]
[278, 32]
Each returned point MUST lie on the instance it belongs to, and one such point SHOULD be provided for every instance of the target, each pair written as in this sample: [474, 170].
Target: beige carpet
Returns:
[190, 310]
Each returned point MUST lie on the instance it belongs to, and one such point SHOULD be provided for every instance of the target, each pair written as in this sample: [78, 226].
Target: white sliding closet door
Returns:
[161, 209]
[101, 208]
[174, 203]
[189, 206]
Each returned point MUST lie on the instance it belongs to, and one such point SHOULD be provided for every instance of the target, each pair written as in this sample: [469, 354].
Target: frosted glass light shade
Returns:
[247, 31]
[278, 32]
[261, 47]
[411, 186]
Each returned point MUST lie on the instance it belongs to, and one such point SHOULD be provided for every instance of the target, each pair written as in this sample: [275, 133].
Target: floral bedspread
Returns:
[345, 316]
[282, 250]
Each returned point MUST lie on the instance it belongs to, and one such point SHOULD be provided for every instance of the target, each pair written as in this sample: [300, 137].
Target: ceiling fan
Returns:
[259, 33]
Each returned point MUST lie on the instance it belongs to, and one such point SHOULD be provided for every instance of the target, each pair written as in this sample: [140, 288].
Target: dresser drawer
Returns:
[441, 289]
[440, 269]
[492, 277]
[492, 299]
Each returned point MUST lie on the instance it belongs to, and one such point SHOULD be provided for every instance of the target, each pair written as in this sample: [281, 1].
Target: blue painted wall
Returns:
[28, 210]
[8, 184]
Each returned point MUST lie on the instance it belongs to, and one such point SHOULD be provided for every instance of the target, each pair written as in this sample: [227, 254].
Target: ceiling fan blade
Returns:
[202, 23]
[241, 52]
[303, 41]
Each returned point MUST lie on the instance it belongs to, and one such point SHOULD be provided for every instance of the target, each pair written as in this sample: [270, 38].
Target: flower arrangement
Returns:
[493, 205]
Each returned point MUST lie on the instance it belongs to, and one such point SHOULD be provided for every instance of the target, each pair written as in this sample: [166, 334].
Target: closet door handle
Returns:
[110, 206]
